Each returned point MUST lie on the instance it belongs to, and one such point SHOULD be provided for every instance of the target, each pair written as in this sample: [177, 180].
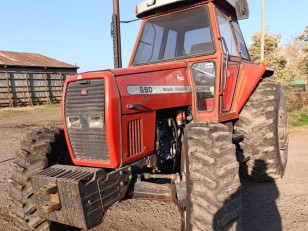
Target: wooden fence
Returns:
[30, 88]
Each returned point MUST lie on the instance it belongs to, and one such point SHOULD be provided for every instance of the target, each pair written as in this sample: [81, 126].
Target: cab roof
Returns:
[151, 7]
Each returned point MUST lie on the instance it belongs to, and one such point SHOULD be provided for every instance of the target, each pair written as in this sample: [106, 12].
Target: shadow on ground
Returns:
[260, 210]
[259, 207]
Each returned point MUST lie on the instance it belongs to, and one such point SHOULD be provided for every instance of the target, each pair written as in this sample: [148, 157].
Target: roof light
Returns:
[151, 2]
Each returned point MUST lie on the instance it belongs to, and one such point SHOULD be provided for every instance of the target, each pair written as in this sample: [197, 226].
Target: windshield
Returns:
[176, 35]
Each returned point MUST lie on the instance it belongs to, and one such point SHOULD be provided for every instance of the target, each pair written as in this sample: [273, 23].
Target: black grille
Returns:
[83, 100]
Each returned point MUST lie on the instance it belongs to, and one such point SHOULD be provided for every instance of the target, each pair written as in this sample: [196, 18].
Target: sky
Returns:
[78, 31]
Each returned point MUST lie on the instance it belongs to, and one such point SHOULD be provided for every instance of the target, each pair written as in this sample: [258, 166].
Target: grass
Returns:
[7, 111]
[299, 118]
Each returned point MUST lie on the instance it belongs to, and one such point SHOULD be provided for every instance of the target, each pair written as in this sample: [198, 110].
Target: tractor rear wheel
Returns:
[213, 185]
[263, 122]
[40, 149]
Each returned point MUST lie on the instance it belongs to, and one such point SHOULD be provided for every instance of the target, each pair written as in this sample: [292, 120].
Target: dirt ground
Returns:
[282, 205]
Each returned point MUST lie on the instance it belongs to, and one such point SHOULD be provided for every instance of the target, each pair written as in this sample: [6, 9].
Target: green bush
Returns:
[299, 118]
[296, 100]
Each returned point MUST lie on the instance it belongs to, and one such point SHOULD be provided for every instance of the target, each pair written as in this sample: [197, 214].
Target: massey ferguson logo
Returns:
[84, 91]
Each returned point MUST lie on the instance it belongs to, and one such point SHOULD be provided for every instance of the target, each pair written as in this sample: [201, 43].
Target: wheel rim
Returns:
[283, 132]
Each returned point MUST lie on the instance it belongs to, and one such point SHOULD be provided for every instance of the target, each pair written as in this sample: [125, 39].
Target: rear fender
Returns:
[268, 72]
[249, 77]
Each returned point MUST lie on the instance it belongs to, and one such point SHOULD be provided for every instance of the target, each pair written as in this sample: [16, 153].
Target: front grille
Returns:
[134, 137]
[84, 100]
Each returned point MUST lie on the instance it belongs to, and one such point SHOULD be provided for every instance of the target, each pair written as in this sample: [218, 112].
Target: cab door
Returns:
[232, 59]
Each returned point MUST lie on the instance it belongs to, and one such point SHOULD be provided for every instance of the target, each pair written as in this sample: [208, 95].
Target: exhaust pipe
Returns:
[116, 35]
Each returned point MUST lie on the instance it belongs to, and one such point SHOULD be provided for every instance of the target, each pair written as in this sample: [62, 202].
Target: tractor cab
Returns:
[207, 37]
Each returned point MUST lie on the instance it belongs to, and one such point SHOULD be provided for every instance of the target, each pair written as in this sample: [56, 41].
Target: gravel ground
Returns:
[282, 205]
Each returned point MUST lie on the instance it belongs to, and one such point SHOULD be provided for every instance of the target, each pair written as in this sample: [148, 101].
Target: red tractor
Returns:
[178, 124]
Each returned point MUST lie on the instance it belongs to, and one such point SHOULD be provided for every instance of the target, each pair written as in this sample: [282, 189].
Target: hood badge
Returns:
[84, 91]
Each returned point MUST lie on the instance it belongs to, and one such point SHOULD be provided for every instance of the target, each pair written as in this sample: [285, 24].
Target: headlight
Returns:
[73, 122]
[96, 122]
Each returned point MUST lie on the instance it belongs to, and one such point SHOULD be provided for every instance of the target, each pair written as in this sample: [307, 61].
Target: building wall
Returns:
[25, 86]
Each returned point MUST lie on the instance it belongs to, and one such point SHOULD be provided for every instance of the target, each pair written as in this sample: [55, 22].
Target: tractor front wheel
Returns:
[40, 149]
[213, 186]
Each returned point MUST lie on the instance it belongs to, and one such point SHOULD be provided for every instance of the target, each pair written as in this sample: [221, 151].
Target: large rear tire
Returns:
[213, 184]
[263, 122]
[40, 149]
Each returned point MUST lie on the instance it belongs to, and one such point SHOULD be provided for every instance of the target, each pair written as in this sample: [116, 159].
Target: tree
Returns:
[297, 53]
[273, 54]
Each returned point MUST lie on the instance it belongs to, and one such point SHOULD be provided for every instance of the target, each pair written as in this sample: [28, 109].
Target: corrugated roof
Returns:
[23, 59]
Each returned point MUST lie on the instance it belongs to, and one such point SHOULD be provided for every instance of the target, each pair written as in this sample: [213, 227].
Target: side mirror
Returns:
[242, 9]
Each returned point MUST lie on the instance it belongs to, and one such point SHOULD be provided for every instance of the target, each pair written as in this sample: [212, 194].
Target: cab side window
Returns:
[226, 33]
[240, 40]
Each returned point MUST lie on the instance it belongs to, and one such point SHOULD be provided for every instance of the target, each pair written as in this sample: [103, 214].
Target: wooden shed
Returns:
[30, 79]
